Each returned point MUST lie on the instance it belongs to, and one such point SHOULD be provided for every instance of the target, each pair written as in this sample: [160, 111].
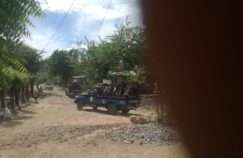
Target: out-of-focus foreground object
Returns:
[194, 53]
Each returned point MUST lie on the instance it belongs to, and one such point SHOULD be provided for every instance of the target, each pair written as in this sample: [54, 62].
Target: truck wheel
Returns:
[125, 111]
[112, 109]
[79, 107]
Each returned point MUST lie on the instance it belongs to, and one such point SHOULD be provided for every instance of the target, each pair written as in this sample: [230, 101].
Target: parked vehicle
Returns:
[112, 103]
[116, 95]
[75, 86]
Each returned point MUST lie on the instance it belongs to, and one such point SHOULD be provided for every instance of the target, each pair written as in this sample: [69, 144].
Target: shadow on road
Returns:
[23, 117]
[27, 111]
[107, 113]
[49, 94]
[19, 119]
[10, 123]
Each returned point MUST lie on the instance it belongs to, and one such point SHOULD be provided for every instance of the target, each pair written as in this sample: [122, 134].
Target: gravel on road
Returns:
[151, 133]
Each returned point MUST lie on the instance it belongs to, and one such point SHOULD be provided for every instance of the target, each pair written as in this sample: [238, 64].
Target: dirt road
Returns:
[53, 128]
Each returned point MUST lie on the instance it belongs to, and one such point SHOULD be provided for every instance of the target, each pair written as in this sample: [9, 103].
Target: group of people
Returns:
[117, 89]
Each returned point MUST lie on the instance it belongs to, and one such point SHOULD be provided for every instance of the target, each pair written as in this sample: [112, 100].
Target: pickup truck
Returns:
[112, 103]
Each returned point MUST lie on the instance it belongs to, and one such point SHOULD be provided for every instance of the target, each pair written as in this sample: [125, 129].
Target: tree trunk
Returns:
[12, 100]
[38, 86]
[32, 83]
[23, 100]
[2, 98]
[27, 93]
[16, 97]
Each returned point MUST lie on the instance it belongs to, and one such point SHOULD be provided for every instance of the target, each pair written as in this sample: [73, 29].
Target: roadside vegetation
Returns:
[122, 51]
[19, 63]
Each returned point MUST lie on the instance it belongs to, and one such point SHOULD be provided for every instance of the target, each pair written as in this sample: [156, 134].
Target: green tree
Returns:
[14, 16]
[122, 49]
[60, 64]
[31, 60]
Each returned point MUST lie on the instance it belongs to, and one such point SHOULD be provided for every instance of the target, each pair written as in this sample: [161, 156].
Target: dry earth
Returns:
[53, 128]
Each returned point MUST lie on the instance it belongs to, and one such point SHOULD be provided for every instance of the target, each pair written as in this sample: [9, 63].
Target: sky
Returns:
[68, 22]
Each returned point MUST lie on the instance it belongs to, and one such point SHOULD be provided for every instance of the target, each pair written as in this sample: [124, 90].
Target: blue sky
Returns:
[59, 30]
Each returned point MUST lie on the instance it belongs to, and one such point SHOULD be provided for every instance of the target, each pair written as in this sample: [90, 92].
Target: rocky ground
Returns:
[150, 133]
[54, 128]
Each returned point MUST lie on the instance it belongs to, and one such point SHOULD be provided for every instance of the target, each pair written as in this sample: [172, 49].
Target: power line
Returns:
[61, 22]
[64, 18]
[103, 20]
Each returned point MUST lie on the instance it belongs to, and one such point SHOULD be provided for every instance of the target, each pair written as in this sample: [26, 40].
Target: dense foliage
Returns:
[122, 51]
[14, 17]
[18, 63]
[62, 65]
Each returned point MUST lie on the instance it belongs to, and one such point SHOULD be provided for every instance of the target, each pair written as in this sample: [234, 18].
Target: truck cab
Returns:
[74, 86]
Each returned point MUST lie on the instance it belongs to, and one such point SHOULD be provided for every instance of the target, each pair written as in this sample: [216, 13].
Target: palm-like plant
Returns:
[14, 16]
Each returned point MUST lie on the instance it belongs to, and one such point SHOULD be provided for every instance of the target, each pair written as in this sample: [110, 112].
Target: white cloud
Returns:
[87, 14]
[40, 41]
[117, 9]
[94, 9]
